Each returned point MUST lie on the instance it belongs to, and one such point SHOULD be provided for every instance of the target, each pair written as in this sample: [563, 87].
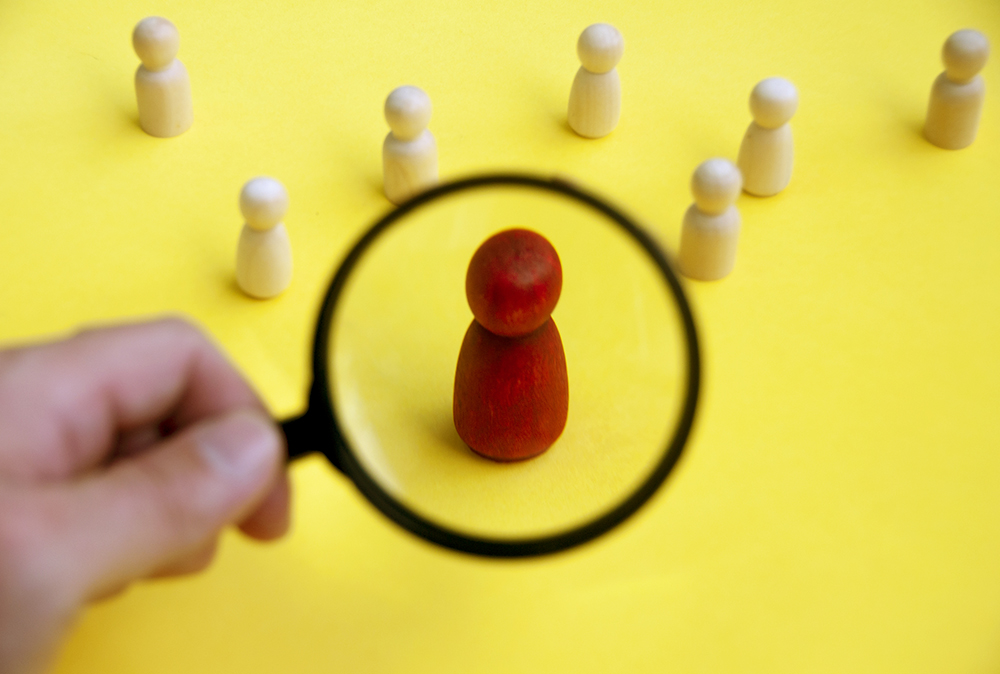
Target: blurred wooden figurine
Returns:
[711, 227]
[162, 87]
[767, 150]
[409, 153]
[264, 255]
[595, 100]
[511, 389]
[957, 95]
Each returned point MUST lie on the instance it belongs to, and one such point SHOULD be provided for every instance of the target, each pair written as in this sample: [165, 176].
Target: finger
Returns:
[271, 518]
[148, 511]
[66, 403]
[38, 601]
[199, 560]
[109, 593]
[137, 440]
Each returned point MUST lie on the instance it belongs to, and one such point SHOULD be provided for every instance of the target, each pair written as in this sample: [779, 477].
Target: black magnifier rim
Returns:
[321, 398]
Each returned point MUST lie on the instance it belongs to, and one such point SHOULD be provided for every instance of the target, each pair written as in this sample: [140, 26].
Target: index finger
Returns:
[64, 405]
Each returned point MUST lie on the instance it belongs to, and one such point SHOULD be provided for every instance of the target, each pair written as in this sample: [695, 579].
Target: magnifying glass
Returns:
[387, 343]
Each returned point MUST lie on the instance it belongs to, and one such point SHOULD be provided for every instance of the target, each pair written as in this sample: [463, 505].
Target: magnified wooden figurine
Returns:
[511, 389]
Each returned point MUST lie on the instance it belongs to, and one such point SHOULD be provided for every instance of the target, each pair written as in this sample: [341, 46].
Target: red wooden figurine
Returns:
[511, 391]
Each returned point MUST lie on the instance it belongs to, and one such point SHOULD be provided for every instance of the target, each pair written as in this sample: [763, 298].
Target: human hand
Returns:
[123, 453]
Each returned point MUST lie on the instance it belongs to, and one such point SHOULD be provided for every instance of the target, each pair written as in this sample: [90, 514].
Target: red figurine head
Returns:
[513, 282]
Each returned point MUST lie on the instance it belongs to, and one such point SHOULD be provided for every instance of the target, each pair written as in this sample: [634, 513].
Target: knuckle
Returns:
[185, 336]
[181, 328]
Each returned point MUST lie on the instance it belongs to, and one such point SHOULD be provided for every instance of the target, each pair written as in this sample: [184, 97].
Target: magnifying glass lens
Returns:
[395, 341]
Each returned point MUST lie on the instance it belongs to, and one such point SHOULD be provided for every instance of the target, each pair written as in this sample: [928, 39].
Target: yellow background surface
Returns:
[839, 505]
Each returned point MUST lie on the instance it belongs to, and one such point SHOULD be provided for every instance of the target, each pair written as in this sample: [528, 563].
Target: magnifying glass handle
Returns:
[305, 434]
[300, 436]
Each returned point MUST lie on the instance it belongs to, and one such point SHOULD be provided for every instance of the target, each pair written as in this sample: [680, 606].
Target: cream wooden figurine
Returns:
[264, 256]
[958, 92]
[711, 227]
[162, 87]
[409, 153]
[767, 150]
[595, 101]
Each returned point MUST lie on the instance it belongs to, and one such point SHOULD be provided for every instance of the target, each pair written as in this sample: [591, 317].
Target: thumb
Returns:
[151, 510]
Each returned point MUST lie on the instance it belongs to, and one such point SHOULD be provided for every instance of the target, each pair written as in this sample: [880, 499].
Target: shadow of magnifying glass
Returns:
[387, 342]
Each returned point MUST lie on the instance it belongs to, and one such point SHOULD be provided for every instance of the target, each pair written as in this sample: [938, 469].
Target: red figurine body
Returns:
[511, 390]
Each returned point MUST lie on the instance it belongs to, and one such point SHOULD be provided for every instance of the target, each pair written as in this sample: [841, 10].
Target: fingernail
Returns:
[239, 444]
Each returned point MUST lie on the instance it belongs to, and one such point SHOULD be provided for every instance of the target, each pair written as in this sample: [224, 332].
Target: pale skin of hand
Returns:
[124, 452]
